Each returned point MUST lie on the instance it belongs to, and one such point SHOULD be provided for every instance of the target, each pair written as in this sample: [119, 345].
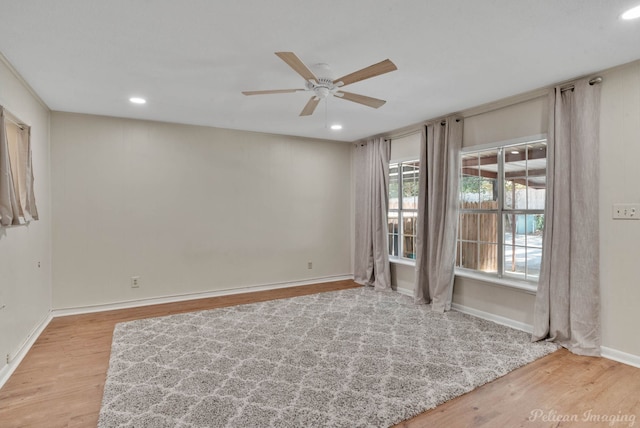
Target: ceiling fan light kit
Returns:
[325, 86]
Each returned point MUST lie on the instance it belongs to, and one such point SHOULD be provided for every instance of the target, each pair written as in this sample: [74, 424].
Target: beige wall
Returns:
[620, 182]
[191, 209]
[25, 288]
[619, 178]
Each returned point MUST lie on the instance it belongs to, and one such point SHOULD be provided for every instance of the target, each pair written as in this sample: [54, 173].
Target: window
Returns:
[502, 199]
[403, 208]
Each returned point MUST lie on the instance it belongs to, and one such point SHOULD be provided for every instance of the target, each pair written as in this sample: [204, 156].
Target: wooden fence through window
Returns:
[480, 252]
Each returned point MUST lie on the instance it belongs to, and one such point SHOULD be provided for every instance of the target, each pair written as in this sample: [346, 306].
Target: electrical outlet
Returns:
[135, 282]
[626, 211]
[309, 265]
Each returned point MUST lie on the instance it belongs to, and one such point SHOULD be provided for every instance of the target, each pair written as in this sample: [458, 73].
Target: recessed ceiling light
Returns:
[137, 100]
[514, 152]
[336, 127]
[632, 13]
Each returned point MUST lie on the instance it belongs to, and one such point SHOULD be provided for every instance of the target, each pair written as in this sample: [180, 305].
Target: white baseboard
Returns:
[480, 314]
[404, 291]
[15, 360]
[518, 325]
[605, 352]
[619, 356]
[193, 296]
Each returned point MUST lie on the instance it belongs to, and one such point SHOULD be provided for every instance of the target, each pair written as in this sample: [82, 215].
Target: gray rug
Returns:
[352, 358]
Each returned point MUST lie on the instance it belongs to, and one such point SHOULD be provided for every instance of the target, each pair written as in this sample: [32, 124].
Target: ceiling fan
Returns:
[324, 86]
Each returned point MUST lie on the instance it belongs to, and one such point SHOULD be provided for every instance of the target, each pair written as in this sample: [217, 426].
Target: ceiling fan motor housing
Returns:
[323, 88]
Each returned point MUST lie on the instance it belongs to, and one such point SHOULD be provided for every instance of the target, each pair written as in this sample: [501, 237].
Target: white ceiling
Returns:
[191, 59]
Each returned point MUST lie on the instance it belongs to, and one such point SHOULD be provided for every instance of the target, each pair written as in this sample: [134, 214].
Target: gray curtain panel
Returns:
[567, 309]
[9, 213]
[27, 197]
[438, 212]
[17, 200]
[371, 257]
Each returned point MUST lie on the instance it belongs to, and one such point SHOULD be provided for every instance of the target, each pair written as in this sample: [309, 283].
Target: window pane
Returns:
[408, 249]
[536, 181]
[393, 186]
[468, 230]
[488, 193]
[523, 244]
[408, 234]
[522, 262]
[537, 193]
[488, 172]
[470, 182]
[534, 258]
[515, 177]
[535, 239]
[515, 259]
[523, 229]
[536, 175]
[515, 192]
[488, 257]
[410, 171]
[488, 228]
[469, 255]
[510, 224]
[392, 217]
[534, 244]
[525, 176]
[520, 194]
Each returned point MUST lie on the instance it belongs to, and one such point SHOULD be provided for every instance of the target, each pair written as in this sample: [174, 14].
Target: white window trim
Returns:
[402, 261]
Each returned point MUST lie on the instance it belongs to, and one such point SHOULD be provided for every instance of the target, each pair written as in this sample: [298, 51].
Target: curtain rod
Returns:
[418, 130]
[596, 80]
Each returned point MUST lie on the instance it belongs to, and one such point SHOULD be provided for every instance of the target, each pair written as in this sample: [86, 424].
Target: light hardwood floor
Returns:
[60, 381]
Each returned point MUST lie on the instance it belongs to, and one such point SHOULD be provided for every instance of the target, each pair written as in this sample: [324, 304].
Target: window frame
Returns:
[499, 277]
[400, 211]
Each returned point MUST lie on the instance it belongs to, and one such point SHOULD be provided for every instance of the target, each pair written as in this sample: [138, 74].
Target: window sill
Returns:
[527, 287]
[405, 262]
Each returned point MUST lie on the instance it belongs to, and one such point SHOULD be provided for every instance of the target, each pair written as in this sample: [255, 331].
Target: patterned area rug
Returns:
[351, 358]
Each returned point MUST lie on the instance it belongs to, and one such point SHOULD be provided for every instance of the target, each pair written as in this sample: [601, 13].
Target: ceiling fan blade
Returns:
[310, 107]
[361, 99]
[273, 91]
[298, 66]
[373, 70]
